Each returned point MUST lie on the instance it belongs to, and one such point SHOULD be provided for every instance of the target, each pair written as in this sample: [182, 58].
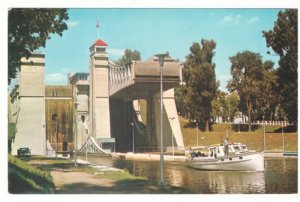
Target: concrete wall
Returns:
[169, 110]
[30, 126]
[99, 95]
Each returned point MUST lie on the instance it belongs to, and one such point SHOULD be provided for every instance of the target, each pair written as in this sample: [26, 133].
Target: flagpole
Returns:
[97, 25]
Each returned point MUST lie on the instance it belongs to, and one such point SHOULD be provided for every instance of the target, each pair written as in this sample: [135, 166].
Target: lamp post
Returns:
[264, 133]
[282, 136]
[161, 58]
[75, 116]
[86, 147]
[172, 118]
[54, 118]
[227, 131]
[132, 137]
[197, 133]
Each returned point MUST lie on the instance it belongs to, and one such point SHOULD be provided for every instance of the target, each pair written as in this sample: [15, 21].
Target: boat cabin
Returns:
[217, 150]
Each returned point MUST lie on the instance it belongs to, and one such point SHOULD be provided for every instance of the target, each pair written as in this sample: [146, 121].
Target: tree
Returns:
[129, 55]
[247, 77]
[200, 79]
[268, 100]
[182, 101]
[232, 101]
[226, 105]
[283, 39]
[28, 30]
[219, 106]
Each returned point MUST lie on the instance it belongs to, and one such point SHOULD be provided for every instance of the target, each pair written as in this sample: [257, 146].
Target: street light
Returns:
[54, 118]
[132, 137]
[161, 58]
[172, 118]
[75, 116]
[282, 136]
[197, 133]
[227, 131]
[264, 133]
[86, 146]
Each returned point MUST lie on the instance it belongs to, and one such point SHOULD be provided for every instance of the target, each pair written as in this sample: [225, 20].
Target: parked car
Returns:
[24, 151]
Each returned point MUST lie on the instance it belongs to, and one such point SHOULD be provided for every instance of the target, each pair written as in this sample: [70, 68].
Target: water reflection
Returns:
[279, 177]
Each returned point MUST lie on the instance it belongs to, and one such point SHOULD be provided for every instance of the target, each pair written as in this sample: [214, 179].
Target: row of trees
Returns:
[257, 89]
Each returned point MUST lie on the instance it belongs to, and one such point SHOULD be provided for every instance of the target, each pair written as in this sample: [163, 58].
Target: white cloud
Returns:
[237, 19]
[115, 53]
[72, 24]
[231, 19]
[57, 78]
[253, 20]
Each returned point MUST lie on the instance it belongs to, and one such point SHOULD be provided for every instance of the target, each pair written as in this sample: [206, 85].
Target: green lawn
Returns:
[253, 139]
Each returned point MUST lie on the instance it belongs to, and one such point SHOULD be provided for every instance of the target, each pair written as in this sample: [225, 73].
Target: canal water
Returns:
[280, 176]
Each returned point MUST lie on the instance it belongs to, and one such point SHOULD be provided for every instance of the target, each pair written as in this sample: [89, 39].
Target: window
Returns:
[83, 118]
[100, 49]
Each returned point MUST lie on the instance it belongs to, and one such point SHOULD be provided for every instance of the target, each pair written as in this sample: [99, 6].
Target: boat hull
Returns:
[246, 162]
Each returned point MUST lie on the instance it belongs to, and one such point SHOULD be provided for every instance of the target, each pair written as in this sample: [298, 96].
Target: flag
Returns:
[97, 25]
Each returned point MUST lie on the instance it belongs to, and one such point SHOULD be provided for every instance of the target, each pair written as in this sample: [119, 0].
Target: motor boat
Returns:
[236, 158]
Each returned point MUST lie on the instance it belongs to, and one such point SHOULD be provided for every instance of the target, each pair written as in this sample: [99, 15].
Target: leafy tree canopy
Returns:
[247, 72]
[283, 39]
[199, 76]
[28, 30]
[129, 55]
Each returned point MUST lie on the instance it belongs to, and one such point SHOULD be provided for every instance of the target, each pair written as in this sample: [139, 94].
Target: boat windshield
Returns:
[199, 152]
[240, 148]
[244, 148]
[237, 148]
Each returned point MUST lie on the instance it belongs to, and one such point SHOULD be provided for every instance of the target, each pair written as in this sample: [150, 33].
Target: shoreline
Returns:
[156, 157]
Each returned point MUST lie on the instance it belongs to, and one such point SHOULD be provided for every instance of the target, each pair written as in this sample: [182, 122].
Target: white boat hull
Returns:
[244, 162]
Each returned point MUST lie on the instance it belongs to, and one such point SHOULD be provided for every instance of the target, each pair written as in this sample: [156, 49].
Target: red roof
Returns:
[99, 42]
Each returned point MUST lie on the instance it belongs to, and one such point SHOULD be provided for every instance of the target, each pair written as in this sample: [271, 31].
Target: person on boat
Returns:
[226, 146]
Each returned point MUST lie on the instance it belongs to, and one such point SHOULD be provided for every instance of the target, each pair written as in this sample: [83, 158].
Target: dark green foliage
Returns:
[200, 79]
[225, 105]
[24, 178]
[11, 130]
[28, 30]
[128, 57]
[248, 76]
[283, 39]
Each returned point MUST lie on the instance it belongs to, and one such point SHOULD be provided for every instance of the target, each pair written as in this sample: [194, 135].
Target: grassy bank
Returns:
[25, 178]
[253, 139]
[122, 181]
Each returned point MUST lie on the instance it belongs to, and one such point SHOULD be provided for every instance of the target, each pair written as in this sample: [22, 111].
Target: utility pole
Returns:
[54, 118]
[172, 118]
[197, 133]
[132, 124]
[75, 117]
[265, 147]
[161, 58]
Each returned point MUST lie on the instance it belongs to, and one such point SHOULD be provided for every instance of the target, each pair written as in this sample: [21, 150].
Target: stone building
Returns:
[50, 118]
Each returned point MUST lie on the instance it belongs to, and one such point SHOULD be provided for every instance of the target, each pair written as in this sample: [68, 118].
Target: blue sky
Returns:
[153, 31]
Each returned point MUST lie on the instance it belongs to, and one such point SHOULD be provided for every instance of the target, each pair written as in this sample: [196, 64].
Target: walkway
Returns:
[94, 179]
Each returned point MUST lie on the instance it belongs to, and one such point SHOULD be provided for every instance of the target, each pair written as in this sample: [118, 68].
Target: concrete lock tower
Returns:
[99, 91]
[30, 121]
